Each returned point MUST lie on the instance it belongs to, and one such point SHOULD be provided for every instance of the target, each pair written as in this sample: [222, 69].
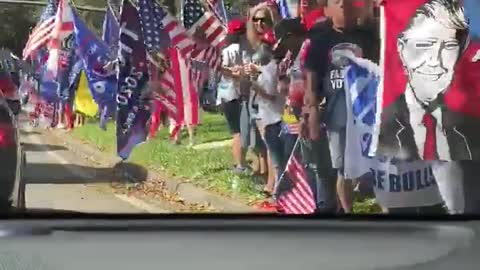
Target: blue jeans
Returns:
[280, 146]
[275, 146]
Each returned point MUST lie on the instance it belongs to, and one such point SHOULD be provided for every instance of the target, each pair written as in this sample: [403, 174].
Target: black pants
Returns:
[471, 186]
[324, 178]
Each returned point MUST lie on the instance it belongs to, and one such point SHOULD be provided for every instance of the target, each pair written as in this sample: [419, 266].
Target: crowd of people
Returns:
[282, 90]
[282, 87]
[270, 66]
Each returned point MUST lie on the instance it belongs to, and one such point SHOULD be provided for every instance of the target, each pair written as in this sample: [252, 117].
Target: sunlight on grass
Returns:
[209, 168]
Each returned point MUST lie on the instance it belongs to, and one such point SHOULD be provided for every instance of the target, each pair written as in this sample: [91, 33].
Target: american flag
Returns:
[184, 79]
[218, 7]
[163, 88]
[208, 31]
[161, 30]
[62, 28]
[41, 34]
[298, 197]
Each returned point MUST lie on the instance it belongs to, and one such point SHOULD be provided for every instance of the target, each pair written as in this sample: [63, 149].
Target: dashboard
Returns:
[237, 242]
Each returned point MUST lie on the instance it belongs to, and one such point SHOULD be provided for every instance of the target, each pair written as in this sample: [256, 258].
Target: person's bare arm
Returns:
[311, 112]
[283, 86]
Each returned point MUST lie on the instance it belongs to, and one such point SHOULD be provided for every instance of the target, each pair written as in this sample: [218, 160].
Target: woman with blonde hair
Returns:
[260, 21]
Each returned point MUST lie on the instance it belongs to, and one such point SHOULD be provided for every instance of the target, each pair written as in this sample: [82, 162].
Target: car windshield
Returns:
[316, 107]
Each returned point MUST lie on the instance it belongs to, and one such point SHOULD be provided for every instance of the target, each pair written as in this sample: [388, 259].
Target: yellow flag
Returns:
[84, 102]
[289, 117]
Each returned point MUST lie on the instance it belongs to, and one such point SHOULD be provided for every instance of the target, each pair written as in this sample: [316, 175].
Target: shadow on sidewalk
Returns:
[31, 147]
[26, 133]
[52, 173]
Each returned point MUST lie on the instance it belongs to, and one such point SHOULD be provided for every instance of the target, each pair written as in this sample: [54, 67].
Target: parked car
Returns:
[12, 157]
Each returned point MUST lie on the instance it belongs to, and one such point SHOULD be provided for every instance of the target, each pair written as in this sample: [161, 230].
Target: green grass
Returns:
[209, 168]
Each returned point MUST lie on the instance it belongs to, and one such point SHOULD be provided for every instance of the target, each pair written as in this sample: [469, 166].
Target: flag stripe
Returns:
[300, 198]
[39, 37]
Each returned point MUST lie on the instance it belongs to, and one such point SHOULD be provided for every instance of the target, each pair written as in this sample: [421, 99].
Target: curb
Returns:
[189, 192]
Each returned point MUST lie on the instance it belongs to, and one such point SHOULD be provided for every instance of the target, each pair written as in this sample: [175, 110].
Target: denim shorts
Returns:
[249, 134]
[232, 111]
[275, 146]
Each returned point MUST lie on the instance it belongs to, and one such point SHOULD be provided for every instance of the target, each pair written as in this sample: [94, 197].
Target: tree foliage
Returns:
[19, 19]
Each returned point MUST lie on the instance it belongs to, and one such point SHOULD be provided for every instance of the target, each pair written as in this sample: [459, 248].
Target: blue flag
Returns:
[284, 9]
[132, 109]
[111, 29]
[68, 71]
[472, 11]
[95, 55]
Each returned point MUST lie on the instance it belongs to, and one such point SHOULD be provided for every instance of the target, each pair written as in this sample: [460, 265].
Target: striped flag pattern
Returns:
[208, 31]
[298, 198]
[164, 94]
[63, 27]
[162, 30]
[183, 75]
[197, 19]
[41, 34]
[218, 8]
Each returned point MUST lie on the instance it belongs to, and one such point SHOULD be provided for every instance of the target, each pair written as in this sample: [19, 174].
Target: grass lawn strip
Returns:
[208, 168]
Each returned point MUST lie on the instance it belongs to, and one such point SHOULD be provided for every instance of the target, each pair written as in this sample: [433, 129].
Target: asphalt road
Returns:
[58, 179]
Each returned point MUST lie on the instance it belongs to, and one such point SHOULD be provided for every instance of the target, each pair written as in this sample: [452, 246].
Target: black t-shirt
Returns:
[324, 39]
[330, 74]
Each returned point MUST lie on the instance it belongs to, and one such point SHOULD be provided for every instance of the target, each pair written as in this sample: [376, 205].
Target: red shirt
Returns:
[313, 17]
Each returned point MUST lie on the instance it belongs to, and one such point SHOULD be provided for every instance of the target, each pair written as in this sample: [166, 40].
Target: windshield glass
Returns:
[289, 107]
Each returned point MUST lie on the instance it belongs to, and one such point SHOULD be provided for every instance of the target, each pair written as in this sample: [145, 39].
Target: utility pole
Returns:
[41, 3]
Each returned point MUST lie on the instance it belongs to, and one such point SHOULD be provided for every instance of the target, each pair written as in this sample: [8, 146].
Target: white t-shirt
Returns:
[227, 88]
[270, 111]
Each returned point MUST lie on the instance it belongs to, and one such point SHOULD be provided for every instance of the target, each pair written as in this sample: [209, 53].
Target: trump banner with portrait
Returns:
[396, 184]
[431, 82]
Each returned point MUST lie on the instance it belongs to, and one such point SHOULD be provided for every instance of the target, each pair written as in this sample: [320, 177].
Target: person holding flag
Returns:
[324, 80]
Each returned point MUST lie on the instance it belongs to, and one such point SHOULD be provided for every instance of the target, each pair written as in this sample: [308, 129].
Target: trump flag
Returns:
[133, 109]
[431, 82]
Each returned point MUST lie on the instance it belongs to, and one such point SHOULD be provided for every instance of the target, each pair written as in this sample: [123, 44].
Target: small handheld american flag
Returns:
[294, 194]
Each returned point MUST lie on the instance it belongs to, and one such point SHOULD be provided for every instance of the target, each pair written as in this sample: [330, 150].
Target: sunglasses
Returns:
[259, 19]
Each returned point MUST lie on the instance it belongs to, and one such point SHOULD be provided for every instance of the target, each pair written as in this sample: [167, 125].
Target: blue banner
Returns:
[49, 86]
[95, 55]
[472, 11]
[132, 110]
[111, 30]
[68, 71]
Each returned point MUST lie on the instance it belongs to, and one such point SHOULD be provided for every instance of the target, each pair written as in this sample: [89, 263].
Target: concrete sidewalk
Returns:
[188, 192]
